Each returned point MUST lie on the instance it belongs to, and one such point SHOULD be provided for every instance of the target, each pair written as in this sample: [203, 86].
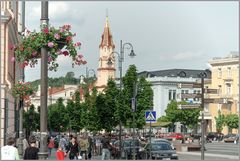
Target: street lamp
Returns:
[44, 87]
[120, 61]
[202, 75]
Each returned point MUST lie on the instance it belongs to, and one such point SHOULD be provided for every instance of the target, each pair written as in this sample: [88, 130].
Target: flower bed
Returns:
[22, 89]
[56, 41]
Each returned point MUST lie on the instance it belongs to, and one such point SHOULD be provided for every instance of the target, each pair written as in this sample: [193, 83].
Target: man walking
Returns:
[9, 152]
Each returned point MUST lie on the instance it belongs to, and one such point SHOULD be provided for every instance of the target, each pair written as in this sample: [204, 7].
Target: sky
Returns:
[164, 35]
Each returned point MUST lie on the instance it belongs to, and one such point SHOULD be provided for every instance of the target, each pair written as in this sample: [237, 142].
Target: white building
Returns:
[165, 86]
[66, 93]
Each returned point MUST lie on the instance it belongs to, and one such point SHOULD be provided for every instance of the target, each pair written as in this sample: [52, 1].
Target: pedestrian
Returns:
[31, 153]
[98, 144]
[106, 147]
[51, 145]
[84, 145]
[73, 149]
[9, 152]
[60, 154]
[63, 143]
[90, 147]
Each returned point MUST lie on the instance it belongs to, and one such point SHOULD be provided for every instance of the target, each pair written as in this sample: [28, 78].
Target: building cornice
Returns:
[107, 68]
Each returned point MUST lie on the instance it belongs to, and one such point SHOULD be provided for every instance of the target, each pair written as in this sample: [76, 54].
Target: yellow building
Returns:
[225, 78]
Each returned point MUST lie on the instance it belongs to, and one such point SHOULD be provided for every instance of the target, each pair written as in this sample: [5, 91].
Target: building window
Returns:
[174, 95]
[228, 88]
[219, 73]
[229, 72]
[170, 95]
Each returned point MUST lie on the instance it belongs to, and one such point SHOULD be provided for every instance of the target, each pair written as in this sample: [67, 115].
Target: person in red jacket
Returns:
[60, 154]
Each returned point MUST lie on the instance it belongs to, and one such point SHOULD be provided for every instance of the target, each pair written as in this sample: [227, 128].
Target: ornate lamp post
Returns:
[44, 87]
[120, 61]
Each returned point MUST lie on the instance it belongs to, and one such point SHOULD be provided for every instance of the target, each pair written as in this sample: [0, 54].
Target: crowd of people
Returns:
[82, 146]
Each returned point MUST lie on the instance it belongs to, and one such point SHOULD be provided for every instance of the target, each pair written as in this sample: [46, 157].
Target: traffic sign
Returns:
[189, 106]
[215, 100]
[192, 95]
[189, 85]
[211, 91]
[150, 116]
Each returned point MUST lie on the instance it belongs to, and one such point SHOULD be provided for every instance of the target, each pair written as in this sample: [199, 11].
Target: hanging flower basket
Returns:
[56, 41]
[22, 89]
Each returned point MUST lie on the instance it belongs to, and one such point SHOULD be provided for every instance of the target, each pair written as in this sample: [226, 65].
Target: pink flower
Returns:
[57, 36]
[77, 44]
[49, 59]
[80, 56]
[65, 53]
[69, 38]
[25, 63]
[59, 52]
[46, 30]
[67, 27]
[34, 54]
[74, 34]
[13, 59]
[11, 47]
[84, 62]
[62, 29]
[50, 44]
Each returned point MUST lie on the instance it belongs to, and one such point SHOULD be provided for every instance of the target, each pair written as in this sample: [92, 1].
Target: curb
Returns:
[210, 155]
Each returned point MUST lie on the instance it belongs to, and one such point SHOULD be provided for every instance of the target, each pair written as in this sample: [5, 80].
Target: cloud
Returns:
[187, 56]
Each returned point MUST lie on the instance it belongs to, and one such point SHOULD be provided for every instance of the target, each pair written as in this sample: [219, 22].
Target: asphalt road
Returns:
[215, 151]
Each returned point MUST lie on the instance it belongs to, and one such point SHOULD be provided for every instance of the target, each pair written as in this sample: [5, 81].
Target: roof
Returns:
[107, 36]
[54, 90]
[175, 73]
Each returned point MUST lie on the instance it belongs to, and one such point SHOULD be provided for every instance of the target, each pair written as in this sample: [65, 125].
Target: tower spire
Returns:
[107, 36]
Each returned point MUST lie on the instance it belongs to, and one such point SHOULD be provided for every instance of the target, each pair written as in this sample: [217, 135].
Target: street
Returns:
[215, 151]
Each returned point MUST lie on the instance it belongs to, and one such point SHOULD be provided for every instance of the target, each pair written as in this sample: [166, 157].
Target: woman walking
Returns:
[31, 153]
[73, 149]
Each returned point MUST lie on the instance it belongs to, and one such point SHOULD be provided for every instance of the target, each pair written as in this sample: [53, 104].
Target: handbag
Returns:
[79, 157]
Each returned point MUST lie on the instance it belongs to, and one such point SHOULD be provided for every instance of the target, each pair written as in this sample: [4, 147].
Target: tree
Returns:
[129, 82]
[111, 98]
[187, 117]
[93, 121]
[58, 119]
[232, 121]
[31, 120]
[144, 101]
[74, 113]
[139, 88]
[220, 121]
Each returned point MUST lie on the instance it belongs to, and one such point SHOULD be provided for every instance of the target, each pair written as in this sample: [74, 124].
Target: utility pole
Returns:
[21, 103]
[43, 153]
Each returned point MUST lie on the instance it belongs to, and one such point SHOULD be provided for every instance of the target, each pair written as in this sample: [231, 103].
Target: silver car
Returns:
[159, 150]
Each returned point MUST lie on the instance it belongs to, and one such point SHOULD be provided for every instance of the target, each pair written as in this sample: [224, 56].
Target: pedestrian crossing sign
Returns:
[150, 116]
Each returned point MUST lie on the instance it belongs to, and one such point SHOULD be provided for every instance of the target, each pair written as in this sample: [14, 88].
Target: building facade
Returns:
[225, 78]
[165, 85]
[10, 72]
[54, 93]
[105, 70]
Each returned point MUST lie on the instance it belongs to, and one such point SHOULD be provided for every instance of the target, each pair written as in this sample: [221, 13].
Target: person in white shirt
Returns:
[9, 152]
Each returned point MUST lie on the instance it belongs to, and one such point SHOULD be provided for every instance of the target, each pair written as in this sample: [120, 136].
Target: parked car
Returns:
[163, 141]
[159, 150]
[214, 136]
[177, 136]
[127, 147]
[230, 138]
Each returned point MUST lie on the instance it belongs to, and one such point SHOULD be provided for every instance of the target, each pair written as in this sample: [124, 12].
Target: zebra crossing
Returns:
[222, 148]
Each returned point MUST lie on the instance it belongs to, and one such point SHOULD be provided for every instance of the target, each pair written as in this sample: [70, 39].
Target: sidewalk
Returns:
[210, 155]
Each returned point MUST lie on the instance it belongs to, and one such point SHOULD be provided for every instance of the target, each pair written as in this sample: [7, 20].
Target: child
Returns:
[60, 154]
